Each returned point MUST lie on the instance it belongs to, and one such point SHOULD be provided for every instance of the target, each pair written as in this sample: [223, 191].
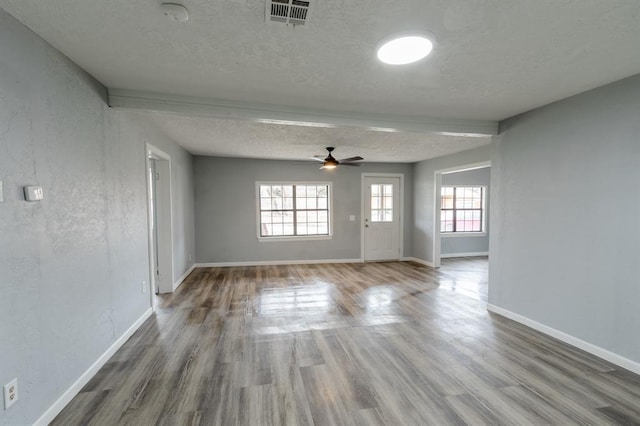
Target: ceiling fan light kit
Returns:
[331, 163]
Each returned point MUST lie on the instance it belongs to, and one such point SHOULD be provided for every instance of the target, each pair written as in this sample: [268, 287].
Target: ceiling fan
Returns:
[331, 163]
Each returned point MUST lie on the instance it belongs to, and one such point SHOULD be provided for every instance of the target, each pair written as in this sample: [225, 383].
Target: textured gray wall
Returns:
[225, 198]
[475, 244]
[71, 266]
[423, 195]
[566, 203]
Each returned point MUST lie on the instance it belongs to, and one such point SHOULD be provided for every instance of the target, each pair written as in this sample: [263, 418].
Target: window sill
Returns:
[462, 234]
[300, 238]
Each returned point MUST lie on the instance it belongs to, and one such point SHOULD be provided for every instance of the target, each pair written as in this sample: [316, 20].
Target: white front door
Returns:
[381, 219]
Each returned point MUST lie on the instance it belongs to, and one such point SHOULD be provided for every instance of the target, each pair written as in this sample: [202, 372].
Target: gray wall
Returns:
[71, 266]
[451, 245]
[423, 195]
[565, 234]
[225, 198]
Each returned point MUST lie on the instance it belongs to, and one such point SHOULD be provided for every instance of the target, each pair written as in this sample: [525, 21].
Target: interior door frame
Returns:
[437, 187]
[165, 221]
[363, 192]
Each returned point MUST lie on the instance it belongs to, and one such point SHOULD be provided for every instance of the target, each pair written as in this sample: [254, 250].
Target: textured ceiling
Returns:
[492, 58]
[236, 138]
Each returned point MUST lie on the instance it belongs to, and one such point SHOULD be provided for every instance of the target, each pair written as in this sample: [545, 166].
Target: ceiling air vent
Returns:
[287, 11]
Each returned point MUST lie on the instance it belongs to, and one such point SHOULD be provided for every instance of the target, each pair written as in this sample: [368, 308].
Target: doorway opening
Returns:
[159, 220]
[437, 223]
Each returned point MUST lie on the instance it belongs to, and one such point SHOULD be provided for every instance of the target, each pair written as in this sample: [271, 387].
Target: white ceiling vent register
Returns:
[287, 11]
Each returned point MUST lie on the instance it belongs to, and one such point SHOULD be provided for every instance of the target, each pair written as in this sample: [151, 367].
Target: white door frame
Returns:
[437, 186]
[363, 193]
[164, 218]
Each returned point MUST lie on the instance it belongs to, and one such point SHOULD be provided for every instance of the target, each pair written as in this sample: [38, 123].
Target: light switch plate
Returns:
[352, 218]
[33, 193]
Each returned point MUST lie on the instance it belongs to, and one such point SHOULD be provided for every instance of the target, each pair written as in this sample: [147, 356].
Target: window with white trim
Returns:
[294, 210]
[462, 209]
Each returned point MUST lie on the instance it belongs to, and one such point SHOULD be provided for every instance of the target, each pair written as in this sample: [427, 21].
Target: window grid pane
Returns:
[466, 205]
[292, 210]
[381, 203]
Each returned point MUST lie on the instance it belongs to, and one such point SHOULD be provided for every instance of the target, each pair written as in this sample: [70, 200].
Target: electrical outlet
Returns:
[10, 393]
[144, 287]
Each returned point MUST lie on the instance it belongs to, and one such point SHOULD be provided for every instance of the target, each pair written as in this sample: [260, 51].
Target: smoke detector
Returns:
[175, 12]
[287, 11]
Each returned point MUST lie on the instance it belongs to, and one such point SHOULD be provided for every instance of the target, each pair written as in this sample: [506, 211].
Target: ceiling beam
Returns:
[217, 108]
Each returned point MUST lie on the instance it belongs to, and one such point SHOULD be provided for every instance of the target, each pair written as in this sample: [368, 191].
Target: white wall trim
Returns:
[184, 276]
[465, 168]
[462, 234]
[420, 261]
[76, 387]
[275, 262]
[295, 262]
[469, 254]
[567, 338]
[164, 215]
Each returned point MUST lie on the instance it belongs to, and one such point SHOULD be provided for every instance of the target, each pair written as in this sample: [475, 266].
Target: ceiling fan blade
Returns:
[349, 164]
[318, 158]
[357, 158]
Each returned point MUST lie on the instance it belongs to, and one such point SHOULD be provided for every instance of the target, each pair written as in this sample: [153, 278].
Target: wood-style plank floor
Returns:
[347, 344]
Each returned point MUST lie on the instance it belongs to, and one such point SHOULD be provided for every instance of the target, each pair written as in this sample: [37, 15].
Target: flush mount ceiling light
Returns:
[405, 50]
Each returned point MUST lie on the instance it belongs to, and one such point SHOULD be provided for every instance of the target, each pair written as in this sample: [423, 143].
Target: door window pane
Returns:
[381, 203]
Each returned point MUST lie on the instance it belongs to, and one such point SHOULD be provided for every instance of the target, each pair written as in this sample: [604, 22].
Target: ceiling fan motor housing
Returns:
[330, 161]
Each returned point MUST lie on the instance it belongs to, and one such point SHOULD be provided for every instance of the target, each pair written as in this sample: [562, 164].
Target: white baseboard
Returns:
[420, 261]
[471, 254]
[275, 262]
[293, 262]
[183, 277]
[70, 393]
[567, 338]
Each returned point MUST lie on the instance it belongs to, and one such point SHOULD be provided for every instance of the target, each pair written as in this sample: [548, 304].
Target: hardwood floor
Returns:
[347, 344]
[465, 275]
